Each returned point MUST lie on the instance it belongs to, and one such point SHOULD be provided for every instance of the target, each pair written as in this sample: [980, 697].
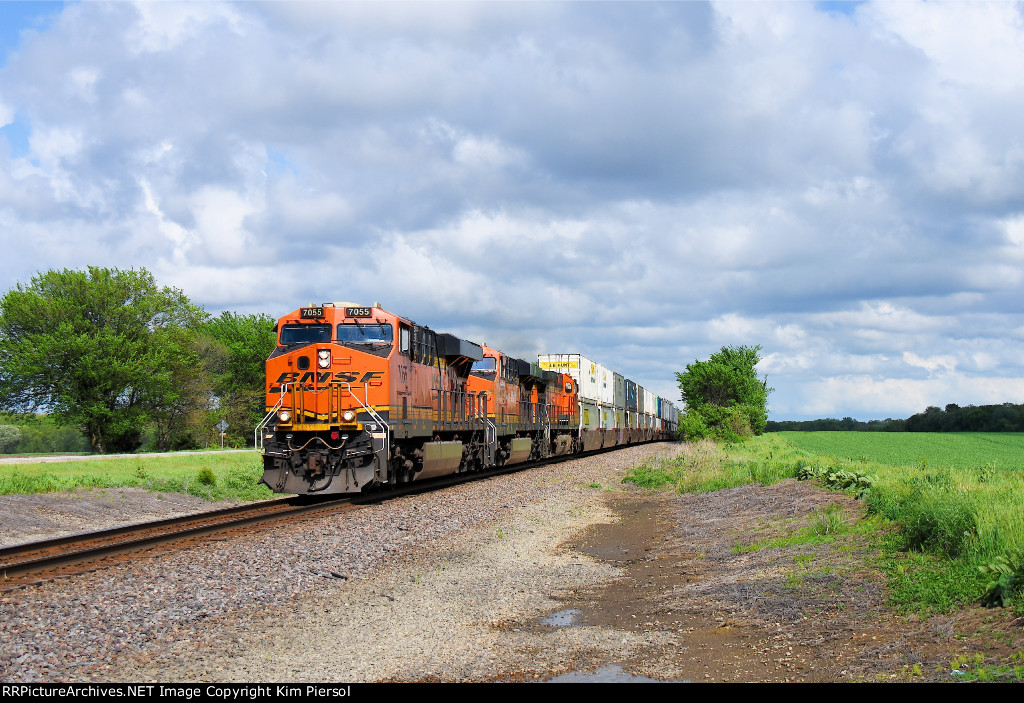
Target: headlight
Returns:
[284, 415]
[348, 416]
[323, 358]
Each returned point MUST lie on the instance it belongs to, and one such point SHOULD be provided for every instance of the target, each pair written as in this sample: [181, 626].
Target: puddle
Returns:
[563, 618]
[610, 673]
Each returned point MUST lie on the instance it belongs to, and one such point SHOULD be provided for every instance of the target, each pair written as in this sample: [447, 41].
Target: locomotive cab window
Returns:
[358, 333]
[404, 340]
[488, 363]
[305, 334]
[485, 368]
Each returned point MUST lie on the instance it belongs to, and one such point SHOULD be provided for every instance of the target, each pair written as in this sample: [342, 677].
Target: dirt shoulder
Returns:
[712, 611]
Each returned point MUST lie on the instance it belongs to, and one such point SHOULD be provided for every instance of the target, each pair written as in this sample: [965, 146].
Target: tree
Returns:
[723, 396]
[179, 410]
[9, 437]
[237, 350]
[101, 350]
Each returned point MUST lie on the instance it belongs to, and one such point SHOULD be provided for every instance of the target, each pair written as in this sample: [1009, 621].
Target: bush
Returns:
[727, 424]
[692, 427]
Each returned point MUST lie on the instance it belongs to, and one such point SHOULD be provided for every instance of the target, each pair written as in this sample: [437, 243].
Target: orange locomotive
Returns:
[358, 396]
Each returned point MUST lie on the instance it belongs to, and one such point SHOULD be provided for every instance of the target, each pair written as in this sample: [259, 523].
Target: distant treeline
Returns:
[1007, 417]
[38, 434]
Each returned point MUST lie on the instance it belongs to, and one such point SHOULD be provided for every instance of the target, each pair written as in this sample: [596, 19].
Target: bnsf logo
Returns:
[323, 377]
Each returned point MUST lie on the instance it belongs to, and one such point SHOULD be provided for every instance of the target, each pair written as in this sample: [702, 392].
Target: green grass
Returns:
[925, 583]
[209, 476]
[943, 505]
[975, 668]
[705, 466]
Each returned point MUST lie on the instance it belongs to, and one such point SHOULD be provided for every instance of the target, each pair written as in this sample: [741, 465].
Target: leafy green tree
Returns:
[95, 349]
[236, 354]
[723, 395]
[9, 438]
[39, 434]
[179, 410]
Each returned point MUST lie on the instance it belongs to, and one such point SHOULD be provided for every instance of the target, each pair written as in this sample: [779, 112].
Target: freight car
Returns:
[358, 397]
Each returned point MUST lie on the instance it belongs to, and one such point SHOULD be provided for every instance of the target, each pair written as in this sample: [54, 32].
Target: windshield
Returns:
[305, 334]
[488, 363]
[358, 333]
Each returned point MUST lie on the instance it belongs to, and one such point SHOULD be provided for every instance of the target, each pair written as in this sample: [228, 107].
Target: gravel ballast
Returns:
[435, 587]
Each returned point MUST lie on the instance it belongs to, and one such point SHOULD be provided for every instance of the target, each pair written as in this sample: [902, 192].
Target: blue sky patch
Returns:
[16, 17]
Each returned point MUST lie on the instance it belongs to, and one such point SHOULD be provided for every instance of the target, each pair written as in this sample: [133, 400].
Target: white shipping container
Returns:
[582, 370]
[606, 385]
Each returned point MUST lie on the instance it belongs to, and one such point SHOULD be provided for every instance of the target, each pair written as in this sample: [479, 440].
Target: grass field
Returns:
[955, 450]
[211, 476]
[957, 499]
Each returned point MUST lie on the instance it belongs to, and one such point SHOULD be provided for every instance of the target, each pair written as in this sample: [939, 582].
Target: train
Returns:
[360, 398]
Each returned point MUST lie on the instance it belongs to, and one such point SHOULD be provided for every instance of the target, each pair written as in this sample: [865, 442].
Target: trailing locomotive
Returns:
[357, 397]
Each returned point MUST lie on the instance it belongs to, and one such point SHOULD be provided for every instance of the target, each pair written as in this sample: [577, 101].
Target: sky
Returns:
[642, 183]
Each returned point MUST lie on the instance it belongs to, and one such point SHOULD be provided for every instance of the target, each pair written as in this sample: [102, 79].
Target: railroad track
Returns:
[35, 562]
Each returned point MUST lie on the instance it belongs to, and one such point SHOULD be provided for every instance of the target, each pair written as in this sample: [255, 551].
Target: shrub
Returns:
[692, 427]
[206, 476]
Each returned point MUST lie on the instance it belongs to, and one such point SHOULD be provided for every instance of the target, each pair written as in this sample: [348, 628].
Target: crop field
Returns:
[954, 450]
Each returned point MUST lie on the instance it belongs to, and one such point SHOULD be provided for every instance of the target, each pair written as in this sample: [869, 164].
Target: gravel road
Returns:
[416, 588]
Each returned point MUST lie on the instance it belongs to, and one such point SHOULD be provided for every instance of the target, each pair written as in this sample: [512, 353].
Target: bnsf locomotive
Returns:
[359, 397]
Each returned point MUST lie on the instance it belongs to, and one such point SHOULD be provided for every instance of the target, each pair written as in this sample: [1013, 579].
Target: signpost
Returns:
[222, 426]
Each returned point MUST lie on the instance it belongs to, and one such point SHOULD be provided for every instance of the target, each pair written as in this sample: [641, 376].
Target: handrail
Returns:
[373, 413]
[257, 436]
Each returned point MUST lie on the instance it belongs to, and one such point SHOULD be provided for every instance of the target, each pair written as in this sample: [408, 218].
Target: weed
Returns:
[206, 476]
[829, 521]
[938, 520]
[1004, 579]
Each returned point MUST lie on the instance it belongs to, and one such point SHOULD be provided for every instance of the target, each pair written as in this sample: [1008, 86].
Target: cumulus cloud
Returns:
[639, 182]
